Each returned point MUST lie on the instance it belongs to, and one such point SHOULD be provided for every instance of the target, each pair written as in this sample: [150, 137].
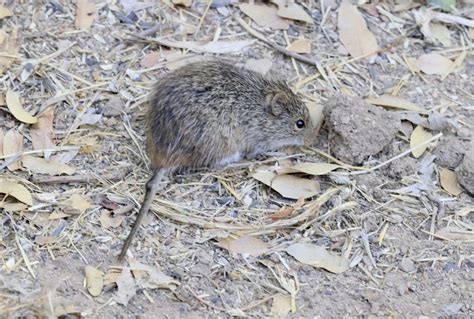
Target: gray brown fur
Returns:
[209, 114]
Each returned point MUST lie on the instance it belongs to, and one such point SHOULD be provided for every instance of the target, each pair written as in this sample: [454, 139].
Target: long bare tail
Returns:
[152, 187]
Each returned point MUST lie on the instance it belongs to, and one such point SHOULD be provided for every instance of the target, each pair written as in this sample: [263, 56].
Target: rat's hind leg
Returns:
[152, 187]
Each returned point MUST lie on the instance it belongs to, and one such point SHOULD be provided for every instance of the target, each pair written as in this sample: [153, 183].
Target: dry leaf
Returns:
[301, 45]
[85, 14]
[441, 33]
[316, 115]
[318, 257]
[12, 207]
[45, 240]
[42, 133]
[454, 233]
[353, 31]
[221, 47]
[265, 16]
[244, 245]
[95, 280]
[287, 185]
[77, 203]
[15, 107]
[310, 168]
[395, 102]
[281, 305]
[5, 12]
[449, 181]
[126, 287]
[12, 145]
[290, 10]
[419, 136]
[108, 219]
[14, 189]
[50, 167]
[433, 63]
[151, 277]
[186, 3]
[9, 43]
[151, 59]
[2, 136]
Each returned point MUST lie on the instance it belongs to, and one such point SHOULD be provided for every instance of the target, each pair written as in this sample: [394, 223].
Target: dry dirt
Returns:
[387, 221]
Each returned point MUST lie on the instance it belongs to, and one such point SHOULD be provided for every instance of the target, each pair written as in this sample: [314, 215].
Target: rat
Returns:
[213, 113]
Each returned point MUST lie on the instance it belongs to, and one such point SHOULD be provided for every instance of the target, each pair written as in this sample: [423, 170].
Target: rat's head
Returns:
[289, 117]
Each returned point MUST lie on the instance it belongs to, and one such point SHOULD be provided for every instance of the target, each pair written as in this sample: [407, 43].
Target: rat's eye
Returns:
[300, 124]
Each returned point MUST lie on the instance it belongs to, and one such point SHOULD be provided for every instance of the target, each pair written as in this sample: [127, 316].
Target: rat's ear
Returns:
[277, 103]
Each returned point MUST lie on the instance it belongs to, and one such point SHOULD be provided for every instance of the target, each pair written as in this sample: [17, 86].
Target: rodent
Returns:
[212, 113]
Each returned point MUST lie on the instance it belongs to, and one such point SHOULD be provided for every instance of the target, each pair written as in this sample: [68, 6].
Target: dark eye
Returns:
[300, 124]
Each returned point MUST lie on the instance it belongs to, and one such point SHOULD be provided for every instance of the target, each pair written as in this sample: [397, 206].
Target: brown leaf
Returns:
[293, 11]
[13, 144]
[78, 203]
[318, 257]
[433, 63]
[16, 108]
[449, 181]
[353, 31]
[85, 14]
[108, 219]
[9, 43]
[151, 277]
[151, 59]
[50, 167]
[287, 185]
[244, 245]
[301, 45]
[42, 133]
[310, 168]
[265, 16]
[12, 207]
[396, 102]
[13, 188]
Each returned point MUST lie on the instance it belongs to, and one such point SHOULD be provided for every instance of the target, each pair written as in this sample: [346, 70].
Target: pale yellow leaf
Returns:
[310, 168]
[109, 220]
[77, 202]
[353, 32]
[287, 185]
[50, 167]
[395, 102]
[301, 45]
[419, 136]
[85, 14]
[151, 277]
[16, 190]
[244, 245]
[42, 133]
[13, 207]
[441, 33]
[433, 63]
[449, 181]
[318, 257]
[94, 280]
[15, 107]
[13, 144]
[5, 12]
[281, 305]
[316, 114]
[291, 10]
[186, 3]
[264, 15]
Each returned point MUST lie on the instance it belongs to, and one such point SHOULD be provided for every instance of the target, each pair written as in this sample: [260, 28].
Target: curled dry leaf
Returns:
[78, 204]
[15, 107]
[353, 31]
[85, 14]
[287, 185]
[42, 133]
[151, 277]
[13, 188]
[455, 233]
[94, 280]
[264, 15]
[433, 63]
[50, 167]
[395, 102]
[291, 10]
[419, 136]
[449, 181]
[12, 145]
[301, 45]
[244, 245]
[281, 306]
[126, 286]
[5, 12]
[318, 257]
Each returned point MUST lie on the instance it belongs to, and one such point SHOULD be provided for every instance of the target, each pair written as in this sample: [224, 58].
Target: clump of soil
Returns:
[465, 171]
[357, 129]
[450, 151]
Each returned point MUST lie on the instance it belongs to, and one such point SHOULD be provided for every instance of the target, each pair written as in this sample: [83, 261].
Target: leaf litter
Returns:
[372, 215]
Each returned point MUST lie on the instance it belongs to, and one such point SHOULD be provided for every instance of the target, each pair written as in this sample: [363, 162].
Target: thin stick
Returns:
[79, 178]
